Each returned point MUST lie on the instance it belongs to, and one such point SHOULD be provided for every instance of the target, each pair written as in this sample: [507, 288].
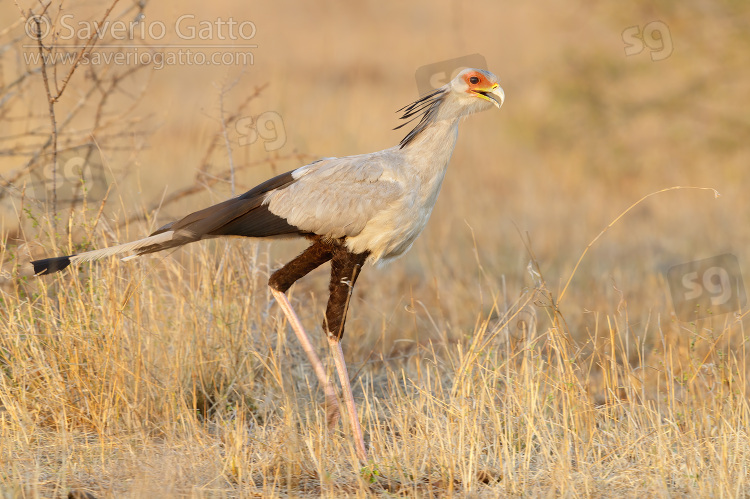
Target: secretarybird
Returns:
[356, 209]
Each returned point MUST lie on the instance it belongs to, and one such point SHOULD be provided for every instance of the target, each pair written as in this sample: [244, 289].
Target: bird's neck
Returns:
[431, 150]
[427, 157]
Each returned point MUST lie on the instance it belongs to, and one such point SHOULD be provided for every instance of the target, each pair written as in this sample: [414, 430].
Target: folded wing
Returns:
[337, 197]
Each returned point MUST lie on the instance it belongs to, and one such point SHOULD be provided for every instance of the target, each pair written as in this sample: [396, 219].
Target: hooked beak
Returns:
[494, 95]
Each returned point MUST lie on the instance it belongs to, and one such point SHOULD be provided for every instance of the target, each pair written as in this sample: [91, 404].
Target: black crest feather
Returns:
[427, 106]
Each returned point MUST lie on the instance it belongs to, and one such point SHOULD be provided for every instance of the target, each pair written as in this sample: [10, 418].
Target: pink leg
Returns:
[332, 405]
[338, 357]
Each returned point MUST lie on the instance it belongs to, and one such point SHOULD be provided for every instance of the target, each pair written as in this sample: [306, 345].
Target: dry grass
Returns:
[131, 381]
[176, 375]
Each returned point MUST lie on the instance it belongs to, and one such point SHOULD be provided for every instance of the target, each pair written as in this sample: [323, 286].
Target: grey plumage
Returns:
[338, 196]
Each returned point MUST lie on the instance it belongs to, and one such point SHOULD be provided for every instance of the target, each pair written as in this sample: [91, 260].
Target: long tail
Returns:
[56, 264]
[245, 215]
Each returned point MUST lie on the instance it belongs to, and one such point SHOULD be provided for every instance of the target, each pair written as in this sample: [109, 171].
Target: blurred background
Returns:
[605, 103]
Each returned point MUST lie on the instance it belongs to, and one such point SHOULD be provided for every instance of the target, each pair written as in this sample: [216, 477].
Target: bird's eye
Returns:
[474, 80]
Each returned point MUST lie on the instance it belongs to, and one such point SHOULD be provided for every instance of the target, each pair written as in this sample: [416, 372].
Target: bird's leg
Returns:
[280, 281]
[345, 267]
[333, 412]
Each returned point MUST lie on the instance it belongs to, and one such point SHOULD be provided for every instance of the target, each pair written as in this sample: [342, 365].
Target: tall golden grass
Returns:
[477, 369]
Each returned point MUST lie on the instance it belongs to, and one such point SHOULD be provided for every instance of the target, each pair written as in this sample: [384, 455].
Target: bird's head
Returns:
[475, 90]
[472, 90]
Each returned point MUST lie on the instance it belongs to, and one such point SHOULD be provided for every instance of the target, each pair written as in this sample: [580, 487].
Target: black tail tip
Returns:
[50, 265]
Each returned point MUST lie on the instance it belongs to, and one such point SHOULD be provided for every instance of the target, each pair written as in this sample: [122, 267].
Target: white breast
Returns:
[391, 232]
